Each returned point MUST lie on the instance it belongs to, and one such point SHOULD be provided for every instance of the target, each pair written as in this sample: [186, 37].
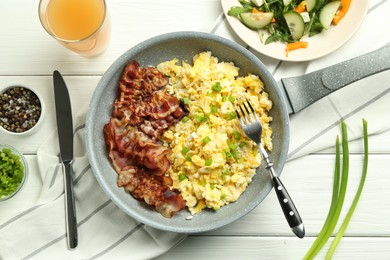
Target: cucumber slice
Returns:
[311, 5]
[256, 20]
[327, 13]
[295, 24]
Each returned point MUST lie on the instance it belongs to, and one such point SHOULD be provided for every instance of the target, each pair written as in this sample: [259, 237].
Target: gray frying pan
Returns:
[289, 96]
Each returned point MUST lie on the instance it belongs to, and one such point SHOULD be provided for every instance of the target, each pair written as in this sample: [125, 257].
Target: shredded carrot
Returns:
[301, 7]
[294, 46]
[342, 12]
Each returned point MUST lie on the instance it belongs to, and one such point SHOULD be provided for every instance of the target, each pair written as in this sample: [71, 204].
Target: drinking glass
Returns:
[82, 26]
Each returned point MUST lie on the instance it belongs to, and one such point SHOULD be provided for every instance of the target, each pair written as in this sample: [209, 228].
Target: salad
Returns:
[288, 21]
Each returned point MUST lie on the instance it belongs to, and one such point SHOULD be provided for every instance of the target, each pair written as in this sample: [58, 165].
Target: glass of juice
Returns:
[82, 26]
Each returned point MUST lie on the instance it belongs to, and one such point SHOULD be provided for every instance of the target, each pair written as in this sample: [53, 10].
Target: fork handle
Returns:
[290, 211]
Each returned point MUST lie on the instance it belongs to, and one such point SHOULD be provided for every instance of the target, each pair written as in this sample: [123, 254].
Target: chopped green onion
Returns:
[185, 150]
[212, 186]
[217, 87]
[348, 217]
[224, 98]
[236, 135]
[231, 115]
[206, 140]
[202, 182]
[232, 146]
[185, 101]
[189, 158]
[200, 118]
[214, 109]
[185, 119]
[232, 99]
[208, 162]
[226, 172]
[11, 172]
[223, 196]
[227, 154]
[235, 154]
[182, 177]
[242, 144]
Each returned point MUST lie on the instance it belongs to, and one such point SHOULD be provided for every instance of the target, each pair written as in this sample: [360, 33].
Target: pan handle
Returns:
[303, 91]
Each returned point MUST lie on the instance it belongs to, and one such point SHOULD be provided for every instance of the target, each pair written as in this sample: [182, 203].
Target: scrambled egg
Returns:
[213, 161]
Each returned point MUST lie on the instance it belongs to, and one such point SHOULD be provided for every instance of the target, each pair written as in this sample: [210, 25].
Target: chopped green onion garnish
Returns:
[224, 98]
[185, 101]
[228, 155]
[185, 150]
[231, 115]
[232, 146]
[189, 158]
[200, 119]
[182, 177]
[232, 99]
[11, 172]
[214, 109]
[223, 196]
[236, 135]
[217, 87]
[226, 172]
[185, 119]
[208, 162]
[242, 144]
[206, 140]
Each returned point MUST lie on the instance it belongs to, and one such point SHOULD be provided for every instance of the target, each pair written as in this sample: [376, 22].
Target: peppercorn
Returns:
[20, 109]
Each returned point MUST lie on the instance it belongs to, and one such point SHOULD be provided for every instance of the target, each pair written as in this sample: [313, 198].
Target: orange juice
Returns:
[75, 19]
[80, 25]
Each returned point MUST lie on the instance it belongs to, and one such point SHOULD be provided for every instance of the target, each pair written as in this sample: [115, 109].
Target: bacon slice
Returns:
[150, 189]
[142, 111]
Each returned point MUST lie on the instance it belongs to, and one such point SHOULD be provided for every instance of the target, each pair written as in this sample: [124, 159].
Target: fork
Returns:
[252, 127]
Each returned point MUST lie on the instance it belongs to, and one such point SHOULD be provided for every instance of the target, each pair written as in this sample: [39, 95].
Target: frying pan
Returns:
[288, 96]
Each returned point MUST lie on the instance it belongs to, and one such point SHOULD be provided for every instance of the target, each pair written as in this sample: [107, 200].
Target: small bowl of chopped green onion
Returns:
[21, 110]
[13, 171]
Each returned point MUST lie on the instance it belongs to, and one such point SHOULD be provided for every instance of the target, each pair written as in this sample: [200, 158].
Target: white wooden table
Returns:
[28, 56]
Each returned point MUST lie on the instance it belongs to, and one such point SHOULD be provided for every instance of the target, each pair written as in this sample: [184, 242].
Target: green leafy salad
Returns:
[11, 172]
[288, 21]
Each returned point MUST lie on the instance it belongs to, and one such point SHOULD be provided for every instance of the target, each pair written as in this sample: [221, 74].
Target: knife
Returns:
[302, 91]
[65, 137]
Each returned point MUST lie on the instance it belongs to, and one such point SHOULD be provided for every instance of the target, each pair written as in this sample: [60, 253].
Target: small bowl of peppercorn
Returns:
[21, 110]
[13, 171]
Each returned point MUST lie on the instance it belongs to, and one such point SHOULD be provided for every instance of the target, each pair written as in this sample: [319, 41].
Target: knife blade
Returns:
[65, 138]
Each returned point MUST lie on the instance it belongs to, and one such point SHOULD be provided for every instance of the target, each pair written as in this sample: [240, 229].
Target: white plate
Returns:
[319, 45]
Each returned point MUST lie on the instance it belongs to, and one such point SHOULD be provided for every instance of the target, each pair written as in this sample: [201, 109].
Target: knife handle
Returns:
[290, 211]
[70, 211]
[303, 91]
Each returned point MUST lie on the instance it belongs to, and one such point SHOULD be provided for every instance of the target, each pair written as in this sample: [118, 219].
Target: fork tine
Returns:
[253, 110]
[250, 106]
[243, 113]
[238, 116]
[247, 110]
